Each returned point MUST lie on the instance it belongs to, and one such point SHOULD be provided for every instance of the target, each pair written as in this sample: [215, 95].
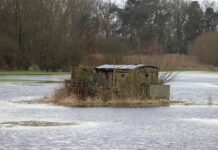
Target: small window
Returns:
[122, 75]
[146, 75]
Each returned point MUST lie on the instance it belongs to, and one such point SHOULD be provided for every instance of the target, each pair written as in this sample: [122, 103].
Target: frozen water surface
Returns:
[45, 126]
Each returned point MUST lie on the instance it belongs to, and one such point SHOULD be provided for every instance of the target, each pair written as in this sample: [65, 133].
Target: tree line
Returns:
[58, 34]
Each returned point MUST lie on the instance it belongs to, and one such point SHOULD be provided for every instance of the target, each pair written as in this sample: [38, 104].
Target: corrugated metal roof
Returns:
[120, 67]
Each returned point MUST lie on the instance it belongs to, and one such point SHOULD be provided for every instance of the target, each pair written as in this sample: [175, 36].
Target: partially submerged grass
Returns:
[210, 100]
[31, 73]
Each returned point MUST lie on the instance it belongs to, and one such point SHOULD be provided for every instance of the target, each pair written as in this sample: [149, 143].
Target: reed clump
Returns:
[210, 100]
[167, 61]
[162, 61]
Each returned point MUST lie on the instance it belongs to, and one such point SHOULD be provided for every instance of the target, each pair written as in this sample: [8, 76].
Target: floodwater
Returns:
[195, 87]
[25, 123]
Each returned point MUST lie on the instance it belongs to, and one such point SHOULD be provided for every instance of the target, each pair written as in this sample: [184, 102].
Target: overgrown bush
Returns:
[85, 83]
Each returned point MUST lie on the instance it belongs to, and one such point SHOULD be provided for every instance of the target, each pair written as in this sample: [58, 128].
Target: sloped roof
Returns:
[121, 67]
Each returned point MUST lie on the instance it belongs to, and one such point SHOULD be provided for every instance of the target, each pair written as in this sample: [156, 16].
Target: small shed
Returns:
[119, 80]
[111, 73]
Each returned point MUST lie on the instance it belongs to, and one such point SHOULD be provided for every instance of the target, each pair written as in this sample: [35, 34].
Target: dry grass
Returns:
[73, 102]
[64, 97]
[163, 61]
[166, 62]
[205, 48]
[61, 94]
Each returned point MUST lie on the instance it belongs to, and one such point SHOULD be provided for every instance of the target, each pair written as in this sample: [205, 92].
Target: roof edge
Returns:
[123, 67]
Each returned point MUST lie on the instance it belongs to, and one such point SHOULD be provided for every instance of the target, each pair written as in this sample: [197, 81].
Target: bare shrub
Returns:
[154, 48]
[94, 59]
[113, 49]
[205, 48]
[166, 62]
[60, 94]
[165, 77]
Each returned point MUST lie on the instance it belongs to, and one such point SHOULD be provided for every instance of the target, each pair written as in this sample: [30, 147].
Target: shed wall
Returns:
[158, 91]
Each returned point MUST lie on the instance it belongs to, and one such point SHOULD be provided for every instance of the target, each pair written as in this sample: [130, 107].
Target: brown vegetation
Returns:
[85, 83]
[72, 102]
[205, 48]
[64, 97]
[86, 89]
[58, 34]
[166, 61]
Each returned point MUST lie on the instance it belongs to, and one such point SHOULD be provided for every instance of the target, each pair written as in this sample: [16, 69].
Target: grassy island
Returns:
[113, 86]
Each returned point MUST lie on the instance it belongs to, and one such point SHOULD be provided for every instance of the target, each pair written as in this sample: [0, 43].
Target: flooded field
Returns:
[25, 123]
[195, 87]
